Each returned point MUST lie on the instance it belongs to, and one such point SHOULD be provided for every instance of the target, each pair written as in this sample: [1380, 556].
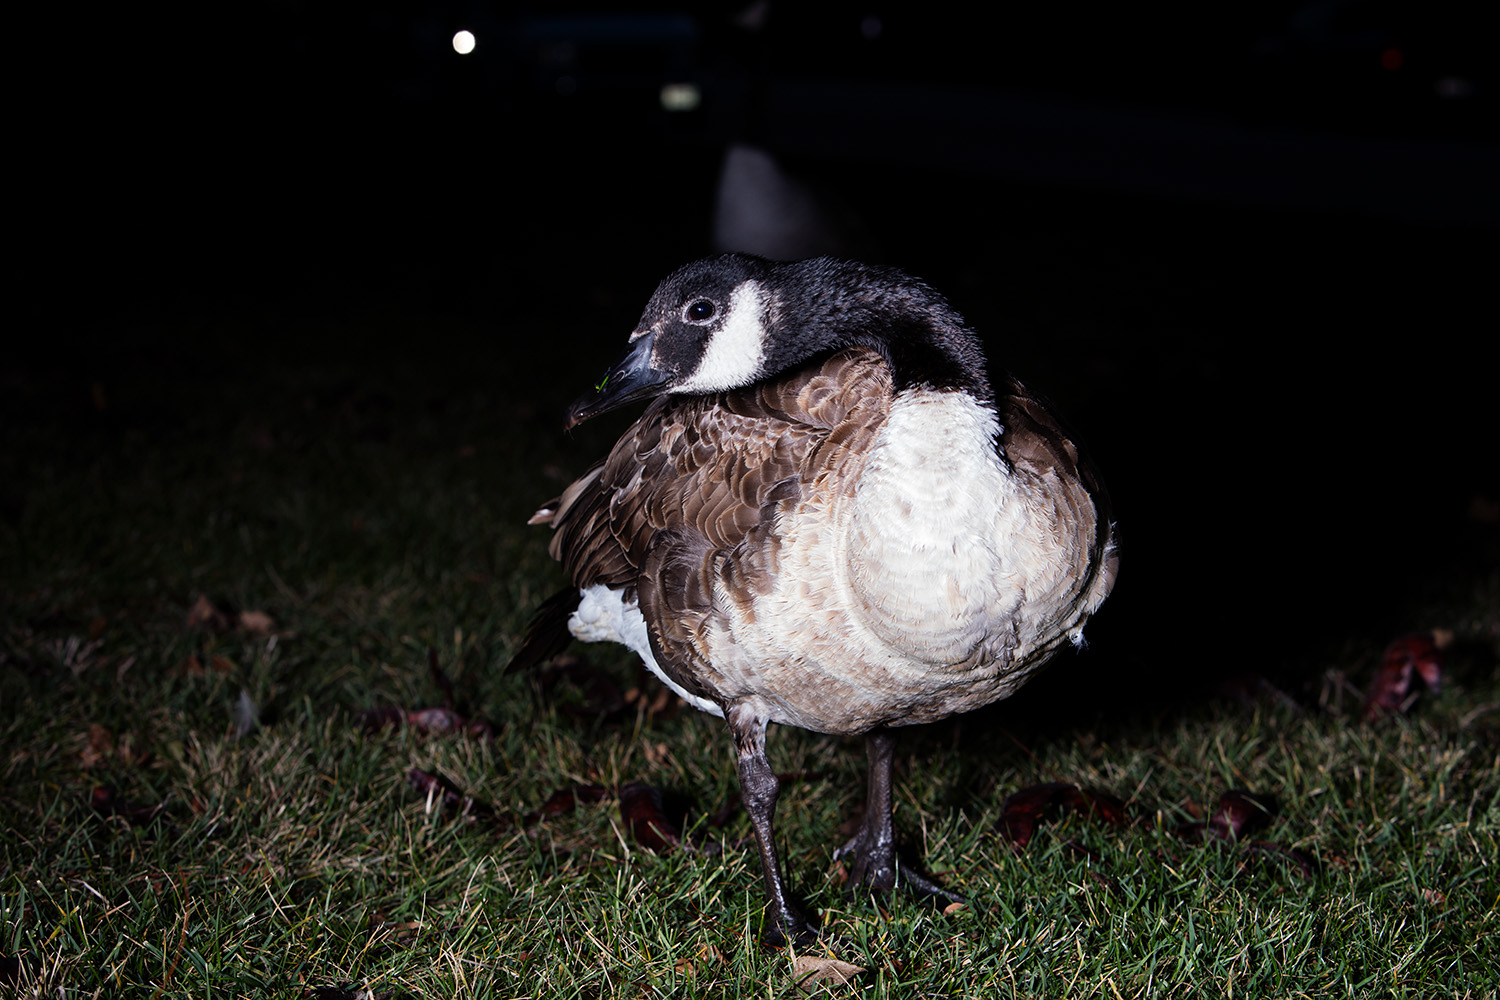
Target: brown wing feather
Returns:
[692, 489]
[1034, 439]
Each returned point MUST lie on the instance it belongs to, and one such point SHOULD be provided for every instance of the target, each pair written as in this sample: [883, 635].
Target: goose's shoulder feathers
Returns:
[710, 469]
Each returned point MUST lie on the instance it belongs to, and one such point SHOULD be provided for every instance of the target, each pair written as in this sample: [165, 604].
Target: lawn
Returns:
[260, 578]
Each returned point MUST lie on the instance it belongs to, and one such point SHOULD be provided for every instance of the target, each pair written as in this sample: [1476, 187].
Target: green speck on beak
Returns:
[604, 382]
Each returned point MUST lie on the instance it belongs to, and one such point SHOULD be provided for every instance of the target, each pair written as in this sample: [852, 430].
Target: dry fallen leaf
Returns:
[257, 622]
[1023, 810]
[1236, 814]
[441, 791]
[107, 802]
[814, 970]
[99, 746]
[1418, 654]
[204, 612]
[641, 808]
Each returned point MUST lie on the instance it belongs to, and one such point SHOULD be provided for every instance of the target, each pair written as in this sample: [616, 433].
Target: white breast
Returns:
[930, 530]
[894, 598]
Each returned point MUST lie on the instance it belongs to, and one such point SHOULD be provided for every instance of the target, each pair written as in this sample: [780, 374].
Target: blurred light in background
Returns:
[463, 42]
[680, 97]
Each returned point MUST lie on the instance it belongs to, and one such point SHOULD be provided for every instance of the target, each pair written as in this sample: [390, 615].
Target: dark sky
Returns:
[357, 127]
[1247, 249]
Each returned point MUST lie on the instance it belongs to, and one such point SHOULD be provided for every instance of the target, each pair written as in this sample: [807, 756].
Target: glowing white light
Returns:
[463, 42]
[680, 96]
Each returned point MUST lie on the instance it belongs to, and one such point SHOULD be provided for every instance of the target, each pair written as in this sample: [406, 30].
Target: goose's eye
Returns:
[700, 311]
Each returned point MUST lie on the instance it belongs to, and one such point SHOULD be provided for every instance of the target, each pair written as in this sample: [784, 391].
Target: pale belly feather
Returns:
[900, 601]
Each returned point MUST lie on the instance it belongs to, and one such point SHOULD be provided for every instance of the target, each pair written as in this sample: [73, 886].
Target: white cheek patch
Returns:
[736, 351]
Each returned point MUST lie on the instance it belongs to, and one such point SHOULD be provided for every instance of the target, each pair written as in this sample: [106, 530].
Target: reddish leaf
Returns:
[426, 721]
[1241, 812]
[1023, 810]
[1237, 813]
[100, 745]
[256, 622]
[386, 717]
[205, 613]
[641, 808]
[1306, 866]
[1094, 804]
[440, 789]
[1418, 654]
[435, 720]
[107, 802]
[565, 801]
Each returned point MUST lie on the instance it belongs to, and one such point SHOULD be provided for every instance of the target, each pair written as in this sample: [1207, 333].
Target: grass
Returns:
[373, 504]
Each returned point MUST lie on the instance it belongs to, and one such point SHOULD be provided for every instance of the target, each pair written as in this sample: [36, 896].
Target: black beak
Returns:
[630, 379]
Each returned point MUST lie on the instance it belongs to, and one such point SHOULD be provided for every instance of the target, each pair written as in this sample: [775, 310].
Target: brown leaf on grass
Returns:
[99, 746]
[256, 622]
[1023, 810]
[564, 801]
[205, 613]
[107, 802]
[1236, 814]
[435, 721]
[196, 665]
[425, 721]
[1097, 805]
[1240, 812]
[815, 970]
[440, 790]
[1418, 655]
[641, 808]
[450, 796]
[707, 955]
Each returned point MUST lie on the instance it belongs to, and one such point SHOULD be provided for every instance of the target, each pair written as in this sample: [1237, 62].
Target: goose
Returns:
[828, 517]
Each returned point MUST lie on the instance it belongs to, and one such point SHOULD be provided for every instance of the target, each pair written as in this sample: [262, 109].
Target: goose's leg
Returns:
[873, 849]
[758, 789]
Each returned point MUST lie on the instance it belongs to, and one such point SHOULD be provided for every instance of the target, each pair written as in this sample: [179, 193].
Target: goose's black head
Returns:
[728, 321]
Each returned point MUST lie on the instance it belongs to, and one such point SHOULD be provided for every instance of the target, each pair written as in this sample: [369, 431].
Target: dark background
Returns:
[1250, 252]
